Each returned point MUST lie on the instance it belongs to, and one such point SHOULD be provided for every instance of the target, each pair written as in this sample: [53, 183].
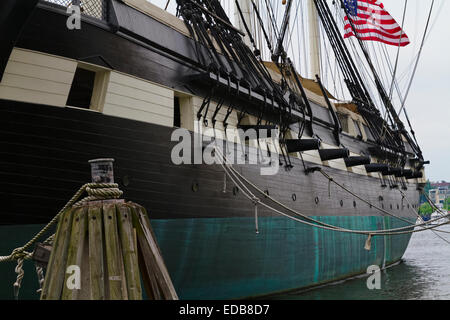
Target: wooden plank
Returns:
[55, 272]
[43, 60]
[141, 95]
[133, 114]
[27, 83]
[113, 255]
[151, 252]
[148, 278]
[159, 14]
[75, 251]
[129, 251]
[162, 108]
[96, 263]
[38, 72]
[31, 96]
[141, 84]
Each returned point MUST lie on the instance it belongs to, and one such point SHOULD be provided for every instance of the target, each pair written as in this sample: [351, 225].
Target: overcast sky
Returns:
[428, 103]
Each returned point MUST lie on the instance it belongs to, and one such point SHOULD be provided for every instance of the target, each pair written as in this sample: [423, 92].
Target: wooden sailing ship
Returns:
[133, 73]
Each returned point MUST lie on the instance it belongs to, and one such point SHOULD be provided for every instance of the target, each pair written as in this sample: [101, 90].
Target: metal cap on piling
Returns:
[102, 170]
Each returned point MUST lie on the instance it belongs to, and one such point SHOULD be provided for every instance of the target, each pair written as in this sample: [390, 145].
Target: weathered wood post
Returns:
[103, 246]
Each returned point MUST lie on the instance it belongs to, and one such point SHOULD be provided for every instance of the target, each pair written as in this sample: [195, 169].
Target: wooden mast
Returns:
[314, 40]
[245, 6]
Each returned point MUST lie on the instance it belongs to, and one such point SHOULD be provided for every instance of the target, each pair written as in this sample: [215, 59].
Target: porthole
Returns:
[391, 206]
[195, 186]
[294, 197]
[342, 203]
[316, 200]
[398, 206]
[354, 204]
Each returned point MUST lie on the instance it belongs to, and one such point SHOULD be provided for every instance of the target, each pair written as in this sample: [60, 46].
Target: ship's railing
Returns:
[93, 8]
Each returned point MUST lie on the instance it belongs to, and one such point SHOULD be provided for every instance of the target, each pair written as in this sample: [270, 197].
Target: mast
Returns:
[245, 6]
[314, 40]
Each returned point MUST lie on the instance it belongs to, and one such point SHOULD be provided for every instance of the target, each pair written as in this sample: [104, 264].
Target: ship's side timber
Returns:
[13, 16]
[223, 258]
[135, 44]
[44, 152]
[204, 235]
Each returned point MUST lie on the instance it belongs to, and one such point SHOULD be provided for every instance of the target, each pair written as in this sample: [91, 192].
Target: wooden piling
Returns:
[75, 253]
[129, 252]
[53, 285]
[151, 253]
[113, 254]
[114, 247]
[96, 261]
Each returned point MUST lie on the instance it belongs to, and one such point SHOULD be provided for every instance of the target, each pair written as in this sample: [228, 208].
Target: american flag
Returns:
[373, 23]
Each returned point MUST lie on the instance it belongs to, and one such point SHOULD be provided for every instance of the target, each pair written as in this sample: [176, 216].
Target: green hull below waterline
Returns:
[225, 258]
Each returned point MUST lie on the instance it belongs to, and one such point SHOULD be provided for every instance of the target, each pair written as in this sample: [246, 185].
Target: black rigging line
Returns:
[399, 126]
[353, 79]
[418, 57]
[398, 53]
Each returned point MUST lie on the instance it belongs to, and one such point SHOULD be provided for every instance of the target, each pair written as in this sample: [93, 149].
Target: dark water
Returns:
[424, 274]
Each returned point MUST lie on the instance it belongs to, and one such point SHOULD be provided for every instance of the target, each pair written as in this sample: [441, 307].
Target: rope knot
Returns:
[256, 200]
[101, 191]
[19, 254]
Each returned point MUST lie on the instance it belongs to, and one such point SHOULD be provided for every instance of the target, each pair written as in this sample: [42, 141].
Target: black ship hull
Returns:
[206, 235]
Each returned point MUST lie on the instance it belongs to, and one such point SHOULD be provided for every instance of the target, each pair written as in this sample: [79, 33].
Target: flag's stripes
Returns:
[381, 19]
[392, 29]
[380, 33]
[402, 43]
[372, 22]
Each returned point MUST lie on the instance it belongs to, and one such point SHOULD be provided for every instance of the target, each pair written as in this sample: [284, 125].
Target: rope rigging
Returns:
[240, 181]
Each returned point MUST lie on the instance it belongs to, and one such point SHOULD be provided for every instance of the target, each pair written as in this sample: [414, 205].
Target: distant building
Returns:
[439, 192]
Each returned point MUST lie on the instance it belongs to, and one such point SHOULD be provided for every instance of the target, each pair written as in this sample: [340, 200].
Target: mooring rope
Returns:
[20, 274]
[95, 191]
[431, 203]
[421, 219]
[317, 224]
[381, 209]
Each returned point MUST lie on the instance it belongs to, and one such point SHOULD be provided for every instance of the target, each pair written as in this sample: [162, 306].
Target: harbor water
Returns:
[424, 274]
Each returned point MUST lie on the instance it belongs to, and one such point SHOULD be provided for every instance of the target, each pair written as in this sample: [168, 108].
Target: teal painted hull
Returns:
[226, 259]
